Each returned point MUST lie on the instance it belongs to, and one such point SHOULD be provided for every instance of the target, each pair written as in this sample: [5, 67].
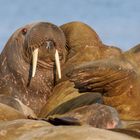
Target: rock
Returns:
[39, 130]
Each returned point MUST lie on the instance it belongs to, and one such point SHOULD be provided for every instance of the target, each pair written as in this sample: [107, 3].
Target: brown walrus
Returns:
[27, 63]
[67, 100]
[83, 45]
[116, 76]
[18, 105]
[8, 113]
[117, 79]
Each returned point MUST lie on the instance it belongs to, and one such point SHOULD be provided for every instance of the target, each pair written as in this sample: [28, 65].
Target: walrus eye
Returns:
[24, 31]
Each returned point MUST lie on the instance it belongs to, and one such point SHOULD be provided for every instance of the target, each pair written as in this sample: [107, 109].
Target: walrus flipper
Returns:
[82, 100]
[63, 120]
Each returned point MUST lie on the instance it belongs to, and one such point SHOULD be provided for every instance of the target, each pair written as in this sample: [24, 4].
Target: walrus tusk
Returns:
[34, 61]
[57, 61]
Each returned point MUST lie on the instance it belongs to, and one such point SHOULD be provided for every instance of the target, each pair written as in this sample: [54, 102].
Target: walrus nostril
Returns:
[50, 45]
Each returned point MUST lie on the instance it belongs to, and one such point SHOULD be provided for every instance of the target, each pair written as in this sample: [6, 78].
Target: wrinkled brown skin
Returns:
[112, 73]
[62, 92]
[83, 45]
[117, 79]
[95, 115]
[17, 105]
[67, 101]
[133, 55]
[15, 63]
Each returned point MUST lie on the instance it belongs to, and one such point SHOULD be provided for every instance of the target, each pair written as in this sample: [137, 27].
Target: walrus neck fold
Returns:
[13, 57]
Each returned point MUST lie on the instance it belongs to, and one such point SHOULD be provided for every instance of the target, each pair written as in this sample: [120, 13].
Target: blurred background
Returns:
[117, 22]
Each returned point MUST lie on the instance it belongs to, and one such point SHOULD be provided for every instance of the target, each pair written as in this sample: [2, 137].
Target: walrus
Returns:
[100, 68]
[116, 79]
[83, 45]
[95, 115]
[8, 113]
[18, 105]
[29, 61]
[67, 100]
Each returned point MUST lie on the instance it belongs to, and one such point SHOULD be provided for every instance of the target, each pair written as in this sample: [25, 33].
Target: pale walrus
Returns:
[27, 63]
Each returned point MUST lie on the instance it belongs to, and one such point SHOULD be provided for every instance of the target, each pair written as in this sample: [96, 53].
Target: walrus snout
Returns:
[35, 58]
[50, 45]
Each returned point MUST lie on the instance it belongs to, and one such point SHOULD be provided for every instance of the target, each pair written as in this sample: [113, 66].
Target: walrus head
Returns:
[43, 38]
[43, 45]
[31, 57]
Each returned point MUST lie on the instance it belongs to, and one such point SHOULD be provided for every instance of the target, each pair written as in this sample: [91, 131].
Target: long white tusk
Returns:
[34, 61]
[57, 61]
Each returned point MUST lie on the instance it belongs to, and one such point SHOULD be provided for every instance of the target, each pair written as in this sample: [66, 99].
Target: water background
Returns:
[117, 22]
